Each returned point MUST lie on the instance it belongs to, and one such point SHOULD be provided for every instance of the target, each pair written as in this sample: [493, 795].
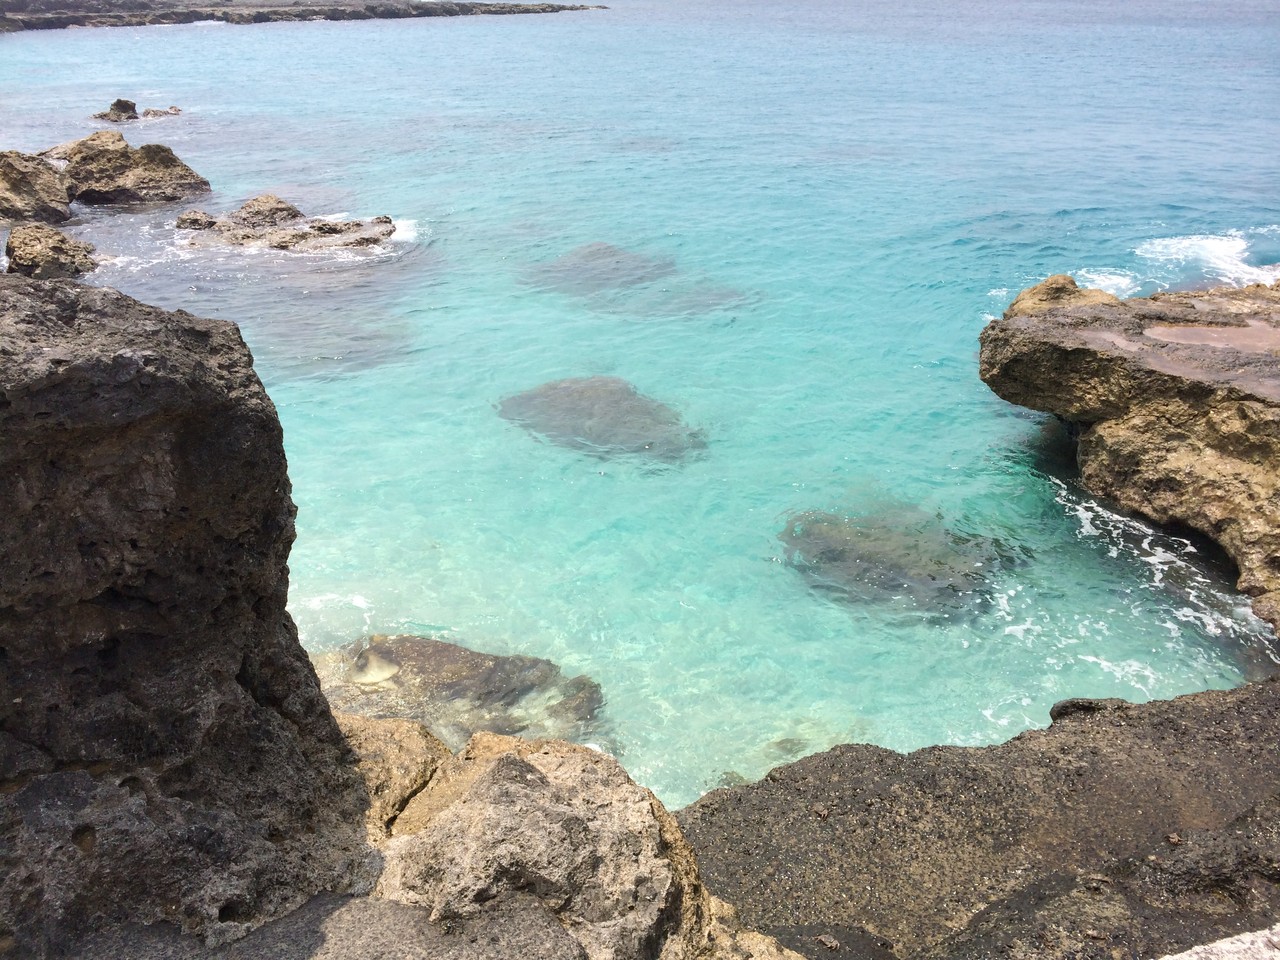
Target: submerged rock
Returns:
[31, 189]
[897, 555]
[1122, 830]
[604, 416]
[166, 753]
[271, 222]
[39, 251]
[103, 169]
[456, 692]
[599, 267]
[120, 111]
[1176, 400]
[154, 112]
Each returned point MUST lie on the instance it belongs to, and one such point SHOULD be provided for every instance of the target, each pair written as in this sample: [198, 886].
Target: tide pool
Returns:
[843, 195]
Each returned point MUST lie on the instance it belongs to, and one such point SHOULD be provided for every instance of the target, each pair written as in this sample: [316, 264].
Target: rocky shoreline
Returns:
[16, 15]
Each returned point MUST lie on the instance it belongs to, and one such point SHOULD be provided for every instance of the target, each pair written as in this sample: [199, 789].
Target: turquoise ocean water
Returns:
[848, 191]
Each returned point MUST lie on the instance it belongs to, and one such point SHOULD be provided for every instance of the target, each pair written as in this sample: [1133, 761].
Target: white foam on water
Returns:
[1119, 283]
[406, 231]
[1223, 257]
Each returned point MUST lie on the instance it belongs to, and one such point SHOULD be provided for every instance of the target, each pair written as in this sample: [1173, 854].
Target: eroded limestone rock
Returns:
[603, 416]
[40, 251]
[566, 826]
[31, 189]
[269, 221]
[120, 111]
[165, 750]
[456, 692]
[1177, 400]
[103, 169]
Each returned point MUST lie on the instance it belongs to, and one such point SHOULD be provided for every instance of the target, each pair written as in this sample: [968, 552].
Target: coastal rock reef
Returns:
[39, 251]
[1176, 402]
[173, 783]
[269, 221]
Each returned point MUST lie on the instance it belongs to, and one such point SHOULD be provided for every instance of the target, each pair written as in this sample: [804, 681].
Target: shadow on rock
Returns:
[898, 555]
[456, 692]
[604, 416]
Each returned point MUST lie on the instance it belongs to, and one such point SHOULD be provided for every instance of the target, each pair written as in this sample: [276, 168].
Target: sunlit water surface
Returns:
[846, 193]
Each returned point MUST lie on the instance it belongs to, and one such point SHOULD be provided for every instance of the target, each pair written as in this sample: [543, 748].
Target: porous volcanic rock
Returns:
[565, 825]
[1176, 398]
[165, 750]
[120, 111]
[896, 853]
[269, 221]
[603, 416]
[103, 169]
[31, 189]
[456, 692]
[40, 251]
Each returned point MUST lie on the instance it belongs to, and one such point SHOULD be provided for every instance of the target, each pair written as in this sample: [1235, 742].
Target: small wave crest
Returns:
[1119, 283]
[1223, 257]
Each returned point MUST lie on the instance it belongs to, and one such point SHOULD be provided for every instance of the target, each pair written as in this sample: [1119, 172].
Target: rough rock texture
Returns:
[39, 251]
[603, 416]
[566, 826]
[120, 111]
[898, 555]
[31, 189]
[1259, 945]
[597, 267]
[269, 221]
[458, 692]
[103, 169]
[165, 750]
[1177, 400]
[897, 852]
[152, 113]
[397, 759]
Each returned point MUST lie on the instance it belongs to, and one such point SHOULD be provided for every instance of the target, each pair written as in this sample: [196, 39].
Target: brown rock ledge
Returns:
[1177, 401]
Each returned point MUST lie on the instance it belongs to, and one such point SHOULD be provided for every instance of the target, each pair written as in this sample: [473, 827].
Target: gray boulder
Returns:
[120, 111]
[40, 251]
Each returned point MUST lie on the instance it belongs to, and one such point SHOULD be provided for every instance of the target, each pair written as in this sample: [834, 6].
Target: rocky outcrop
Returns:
[165, 751]
[904, 856]
[268, 221]
[605, 417]
[458, 692]
[103, 169]
[31, 189]
[1176, 399]
[39, 251]
[152, 113]
[120, 111]
[59, 14]
[564, 830]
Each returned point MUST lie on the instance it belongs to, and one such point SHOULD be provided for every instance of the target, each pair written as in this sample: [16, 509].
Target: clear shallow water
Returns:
[848, 195]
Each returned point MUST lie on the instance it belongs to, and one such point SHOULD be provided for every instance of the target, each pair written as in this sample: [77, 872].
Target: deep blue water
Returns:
[846, 193]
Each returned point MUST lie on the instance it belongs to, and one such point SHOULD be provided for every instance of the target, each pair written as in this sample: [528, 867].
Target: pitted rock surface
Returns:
[103, 169]
[44, 253]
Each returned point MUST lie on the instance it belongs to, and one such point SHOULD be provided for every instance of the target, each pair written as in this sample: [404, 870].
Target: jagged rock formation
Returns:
[120, 111]
[603, 416]
[563, 826]
[168, 764]
[103, 169]
[458, 692]
[271, 222]
[165, 750]
[31, 189]
[912, 856]
[39, 251]
[1177, 402]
